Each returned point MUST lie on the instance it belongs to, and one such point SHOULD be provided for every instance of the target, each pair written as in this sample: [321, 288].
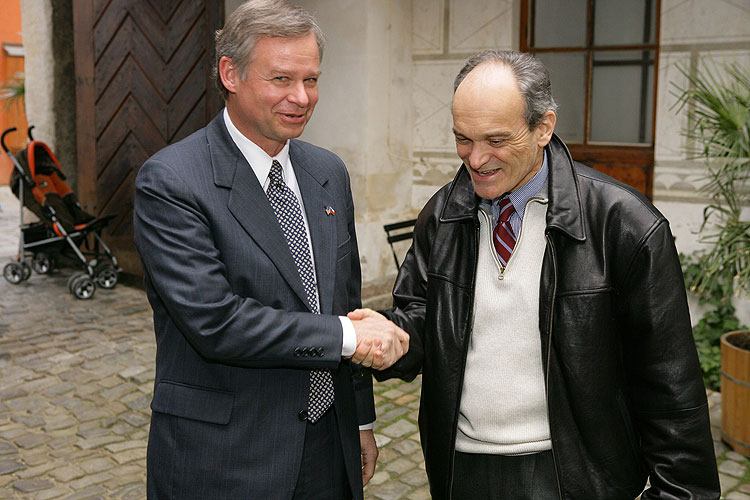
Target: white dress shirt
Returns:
[260, 162]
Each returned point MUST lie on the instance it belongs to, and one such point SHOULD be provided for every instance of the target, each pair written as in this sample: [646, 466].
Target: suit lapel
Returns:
[249, 205]
[312, 183]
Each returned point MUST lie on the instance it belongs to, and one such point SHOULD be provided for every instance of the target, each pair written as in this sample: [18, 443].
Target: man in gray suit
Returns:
[250, 259]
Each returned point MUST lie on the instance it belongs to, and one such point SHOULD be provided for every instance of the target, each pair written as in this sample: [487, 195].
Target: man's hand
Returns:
[380, 343]
[369, 454]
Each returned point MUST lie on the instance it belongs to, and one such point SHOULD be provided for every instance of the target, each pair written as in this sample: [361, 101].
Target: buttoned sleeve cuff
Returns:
[349, 343]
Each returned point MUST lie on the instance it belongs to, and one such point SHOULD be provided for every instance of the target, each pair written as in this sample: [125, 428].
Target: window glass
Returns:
[622, 97]
[568, 78]
[559, 24]
[618, 22]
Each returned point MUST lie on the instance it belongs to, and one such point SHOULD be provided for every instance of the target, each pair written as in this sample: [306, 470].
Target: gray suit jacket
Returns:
[235, 337]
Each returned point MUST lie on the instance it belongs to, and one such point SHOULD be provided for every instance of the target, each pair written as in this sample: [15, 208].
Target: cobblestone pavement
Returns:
[76, 381]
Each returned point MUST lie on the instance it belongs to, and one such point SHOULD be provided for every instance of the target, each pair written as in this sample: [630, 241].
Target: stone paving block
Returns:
[87, 413]
[67, 474]
[140, 403]
[61, 422]
[414, 477]
[406, 446]
[28, 420]
[10, 466]
[51, 493]
[122, 429]
[90, 479]
[422, 493]
[393, 414]
[732, 468]
[744, 488]
[59, 389]
[36, 457]
[90, 493]
[399, 429]
[727, 482]
[400, 466]
[386, 455]
[125, 445]
[7, 448]
[96, 464]
[736, 495]
[378, 478]
[29, 485]
[118, 391]
[87, 444]
[26, 404]
[392, 394]
[29, 441]
[12, 432]
[381, 440]
[733, 455]
[132, 371]
[392, 490]
[39, 470]
[130, 455]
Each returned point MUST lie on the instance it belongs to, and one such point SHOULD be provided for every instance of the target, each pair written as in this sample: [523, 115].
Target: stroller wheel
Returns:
[26, 270]
[82, 287]
[13, 273]
[42, 263]
[105, 275]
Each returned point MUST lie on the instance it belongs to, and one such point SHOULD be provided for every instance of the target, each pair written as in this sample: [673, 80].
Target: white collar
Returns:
[258, 159]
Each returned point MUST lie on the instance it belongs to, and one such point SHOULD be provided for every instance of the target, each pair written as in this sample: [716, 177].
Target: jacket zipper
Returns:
[549, 355]
[463, 364]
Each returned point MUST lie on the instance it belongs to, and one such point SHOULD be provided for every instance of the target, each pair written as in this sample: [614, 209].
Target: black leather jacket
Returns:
[624, 390]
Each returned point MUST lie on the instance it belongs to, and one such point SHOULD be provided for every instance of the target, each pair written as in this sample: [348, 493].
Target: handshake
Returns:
[380, 343]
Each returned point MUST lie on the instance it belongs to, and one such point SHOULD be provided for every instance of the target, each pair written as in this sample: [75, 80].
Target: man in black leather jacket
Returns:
[602, 355]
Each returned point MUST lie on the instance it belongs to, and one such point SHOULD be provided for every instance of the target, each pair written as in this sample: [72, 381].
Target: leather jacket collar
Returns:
[565, 210]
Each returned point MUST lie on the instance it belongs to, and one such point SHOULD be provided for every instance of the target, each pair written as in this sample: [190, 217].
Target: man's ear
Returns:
[545, 128]
[229, 74]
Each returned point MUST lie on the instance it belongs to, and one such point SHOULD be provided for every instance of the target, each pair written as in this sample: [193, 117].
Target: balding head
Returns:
[532, 79]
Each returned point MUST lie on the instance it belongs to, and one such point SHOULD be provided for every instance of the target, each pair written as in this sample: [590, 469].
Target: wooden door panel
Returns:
[143, 72]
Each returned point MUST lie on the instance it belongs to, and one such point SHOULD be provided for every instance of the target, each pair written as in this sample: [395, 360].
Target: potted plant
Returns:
[718, 112]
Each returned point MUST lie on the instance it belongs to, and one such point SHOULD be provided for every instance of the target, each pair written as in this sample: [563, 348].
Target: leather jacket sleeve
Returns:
[410, 295]
[667, 396]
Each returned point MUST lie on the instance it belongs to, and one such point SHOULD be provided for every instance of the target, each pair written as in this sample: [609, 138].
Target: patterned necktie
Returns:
[503, 236]
[287, 209]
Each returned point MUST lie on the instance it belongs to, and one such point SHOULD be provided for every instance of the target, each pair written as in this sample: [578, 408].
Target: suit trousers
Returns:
[503, 477]
[322, 475]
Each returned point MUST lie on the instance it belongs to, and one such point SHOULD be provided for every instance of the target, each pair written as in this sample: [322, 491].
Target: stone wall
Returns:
[50, 97]
[695, 34]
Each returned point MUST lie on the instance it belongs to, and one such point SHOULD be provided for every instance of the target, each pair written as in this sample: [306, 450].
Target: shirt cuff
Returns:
[367, 427]
[349, 343]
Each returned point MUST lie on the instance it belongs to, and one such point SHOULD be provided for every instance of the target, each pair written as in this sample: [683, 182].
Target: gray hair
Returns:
[531, 75]
[255, 19]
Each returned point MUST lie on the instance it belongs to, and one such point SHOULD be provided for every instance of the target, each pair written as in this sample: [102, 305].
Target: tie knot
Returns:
[506, 209]
[275, 174]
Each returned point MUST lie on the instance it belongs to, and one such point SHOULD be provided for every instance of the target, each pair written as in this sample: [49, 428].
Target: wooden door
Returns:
[143, 80]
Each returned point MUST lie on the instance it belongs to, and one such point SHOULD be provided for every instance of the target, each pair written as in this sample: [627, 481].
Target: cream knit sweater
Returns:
[503, 406]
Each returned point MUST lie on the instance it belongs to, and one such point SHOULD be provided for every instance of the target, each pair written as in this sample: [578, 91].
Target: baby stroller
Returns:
[65, 232]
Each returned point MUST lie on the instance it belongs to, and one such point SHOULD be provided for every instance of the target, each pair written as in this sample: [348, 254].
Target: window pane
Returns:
[624, 23]
[568, 77]
[622, 97]
[559, 24]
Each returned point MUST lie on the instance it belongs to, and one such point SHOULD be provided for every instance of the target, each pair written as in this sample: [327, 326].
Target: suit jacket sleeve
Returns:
[362, 378]
[186, 273]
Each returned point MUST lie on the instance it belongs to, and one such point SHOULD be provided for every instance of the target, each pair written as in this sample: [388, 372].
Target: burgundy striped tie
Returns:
[503, 236]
